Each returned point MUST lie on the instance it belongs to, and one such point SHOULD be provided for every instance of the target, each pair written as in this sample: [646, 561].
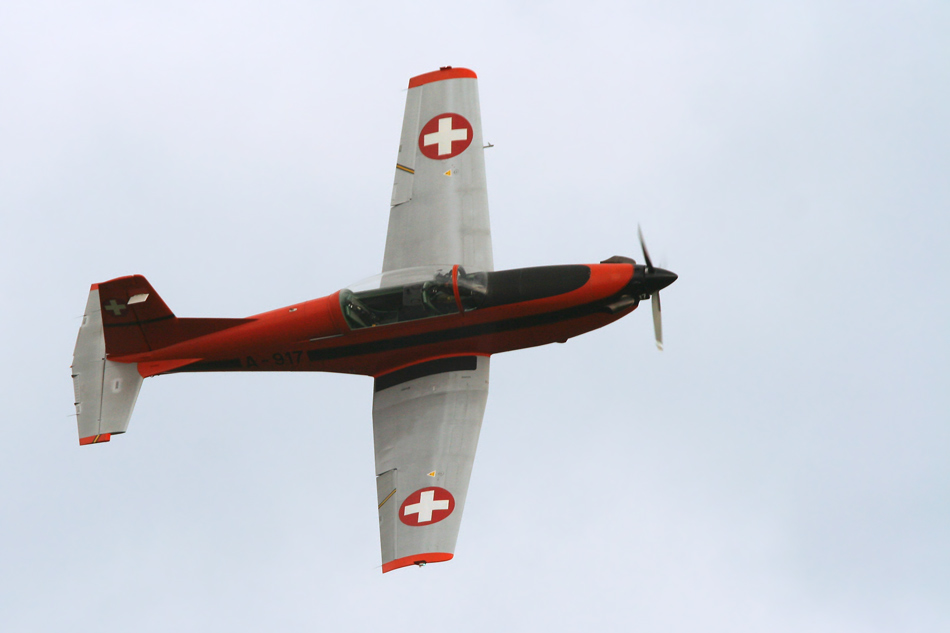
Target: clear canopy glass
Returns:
[411, 293]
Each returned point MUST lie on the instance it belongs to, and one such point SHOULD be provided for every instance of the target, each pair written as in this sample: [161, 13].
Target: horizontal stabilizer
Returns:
[105, 390]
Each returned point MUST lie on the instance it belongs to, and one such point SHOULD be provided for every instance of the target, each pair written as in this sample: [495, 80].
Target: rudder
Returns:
[137, 321]
[132, 314]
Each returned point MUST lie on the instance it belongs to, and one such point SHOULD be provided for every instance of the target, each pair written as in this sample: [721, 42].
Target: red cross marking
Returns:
[445, 136]
[426, 506]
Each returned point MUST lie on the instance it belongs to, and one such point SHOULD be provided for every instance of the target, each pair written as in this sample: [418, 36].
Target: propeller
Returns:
[655, 297]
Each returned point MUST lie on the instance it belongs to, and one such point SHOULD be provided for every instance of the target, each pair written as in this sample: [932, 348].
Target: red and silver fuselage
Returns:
[521, 308]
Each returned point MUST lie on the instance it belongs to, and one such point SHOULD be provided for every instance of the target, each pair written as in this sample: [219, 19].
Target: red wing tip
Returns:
[446, 72]
[93, 287]
[95, 439]
[417, 559]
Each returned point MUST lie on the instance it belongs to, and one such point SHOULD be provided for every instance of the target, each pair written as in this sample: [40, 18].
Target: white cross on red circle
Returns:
[445, 136]
[426, 506]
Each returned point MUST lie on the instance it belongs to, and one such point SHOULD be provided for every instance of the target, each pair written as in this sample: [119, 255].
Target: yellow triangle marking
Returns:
[448, 173]
[432, 474]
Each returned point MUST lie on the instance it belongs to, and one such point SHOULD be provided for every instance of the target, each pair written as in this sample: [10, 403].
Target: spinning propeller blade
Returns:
[655, 297]
[643, 247]
[657, 322]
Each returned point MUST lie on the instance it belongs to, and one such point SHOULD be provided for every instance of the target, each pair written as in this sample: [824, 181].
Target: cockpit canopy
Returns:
[412, 293]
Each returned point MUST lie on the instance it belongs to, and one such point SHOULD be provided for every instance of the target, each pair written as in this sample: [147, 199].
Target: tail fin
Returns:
[124, 316]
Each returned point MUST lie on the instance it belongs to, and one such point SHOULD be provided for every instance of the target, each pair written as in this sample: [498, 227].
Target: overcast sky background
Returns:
[782, 466]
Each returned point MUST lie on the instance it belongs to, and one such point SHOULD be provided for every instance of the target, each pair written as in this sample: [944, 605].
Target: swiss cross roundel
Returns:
[445, 136]
[426, 506]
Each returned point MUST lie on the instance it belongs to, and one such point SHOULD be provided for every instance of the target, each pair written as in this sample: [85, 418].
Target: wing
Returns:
[426, 420]
[439, 209]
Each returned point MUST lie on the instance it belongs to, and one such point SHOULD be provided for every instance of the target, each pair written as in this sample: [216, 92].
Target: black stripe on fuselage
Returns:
[527, 284]
[437, 366]
[232, 364]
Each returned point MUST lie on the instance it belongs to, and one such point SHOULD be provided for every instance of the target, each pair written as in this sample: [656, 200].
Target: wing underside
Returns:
[426, 422]
[427, 417]
[439, 211]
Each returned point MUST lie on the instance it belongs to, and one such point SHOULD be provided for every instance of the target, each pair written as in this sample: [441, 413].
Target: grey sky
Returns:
[782, 466]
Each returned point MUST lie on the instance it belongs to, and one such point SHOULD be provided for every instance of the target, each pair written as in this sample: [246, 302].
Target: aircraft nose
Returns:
[661, 278]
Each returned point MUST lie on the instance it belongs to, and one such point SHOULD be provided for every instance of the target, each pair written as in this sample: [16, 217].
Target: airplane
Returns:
[425, 328]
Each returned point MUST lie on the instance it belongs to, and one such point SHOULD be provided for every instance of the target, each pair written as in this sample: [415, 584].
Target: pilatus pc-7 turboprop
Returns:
[425, 329]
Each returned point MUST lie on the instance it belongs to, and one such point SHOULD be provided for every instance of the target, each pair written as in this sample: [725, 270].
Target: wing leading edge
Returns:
[426, 422]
